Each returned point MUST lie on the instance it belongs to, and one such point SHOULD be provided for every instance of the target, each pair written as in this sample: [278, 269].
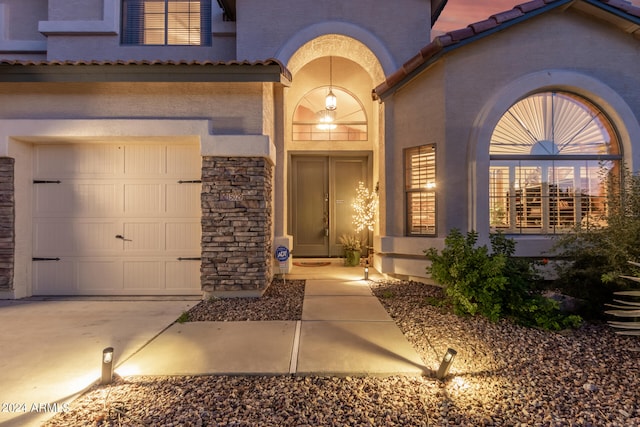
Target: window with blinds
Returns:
[420, 188]
[166, 22]
[551, 154]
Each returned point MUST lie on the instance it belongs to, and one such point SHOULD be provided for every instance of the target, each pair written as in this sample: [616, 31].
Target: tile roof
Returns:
[229, 67]
[454, 39]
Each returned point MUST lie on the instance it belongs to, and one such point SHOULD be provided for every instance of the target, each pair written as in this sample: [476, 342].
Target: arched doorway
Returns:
[329, 151]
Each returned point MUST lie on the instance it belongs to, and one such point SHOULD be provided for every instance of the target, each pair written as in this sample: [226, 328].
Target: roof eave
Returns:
[448, 44]
[437, 6]
[138, 72]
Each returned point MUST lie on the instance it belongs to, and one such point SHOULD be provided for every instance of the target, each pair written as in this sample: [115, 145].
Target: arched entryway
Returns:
[329, 150]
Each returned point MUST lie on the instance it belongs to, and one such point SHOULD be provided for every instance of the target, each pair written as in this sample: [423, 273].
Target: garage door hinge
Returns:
[45, 259]
[192, 181]
[40, 181]
[190, 259]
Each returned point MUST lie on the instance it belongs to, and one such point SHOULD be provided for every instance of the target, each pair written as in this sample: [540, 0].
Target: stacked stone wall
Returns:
[7, 223]
[236, 224]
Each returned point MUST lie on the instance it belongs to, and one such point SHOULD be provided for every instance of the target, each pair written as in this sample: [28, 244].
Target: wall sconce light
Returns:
[446, 363]
[366, 270]
[107, 366]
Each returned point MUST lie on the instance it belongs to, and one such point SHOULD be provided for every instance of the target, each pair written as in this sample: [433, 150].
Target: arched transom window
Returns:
[313, 122]
[549, 155]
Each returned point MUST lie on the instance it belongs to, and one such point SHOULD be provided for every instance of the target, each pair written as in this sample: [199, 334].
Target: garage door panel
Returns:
[183, 199]
[182, 275]
[184, 161]
[143, 275]
[143, 236]
[143, 199]
[64, 238]
[62, 161]
[99, 276]
[51, 238]
[54, 278]
[78, 199]
[183, 237]
[118, 220]
[145, 160]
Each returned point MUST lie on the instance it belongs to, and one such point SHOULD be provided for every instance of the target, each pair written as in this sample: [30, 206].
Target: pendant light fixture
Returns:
[330, 102]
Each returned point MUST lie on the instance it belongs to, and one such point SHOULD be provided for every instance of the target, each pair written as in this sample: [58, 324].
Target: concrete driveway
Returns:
[51, 350]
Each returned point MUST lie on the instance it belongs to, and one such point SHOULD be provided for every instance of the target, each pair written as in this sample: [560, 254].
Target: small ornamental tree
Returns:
[365, 208]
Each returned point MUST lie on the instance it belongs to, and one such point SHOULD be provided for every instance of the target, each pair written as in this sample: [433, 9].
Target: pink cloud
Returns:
[460, 13]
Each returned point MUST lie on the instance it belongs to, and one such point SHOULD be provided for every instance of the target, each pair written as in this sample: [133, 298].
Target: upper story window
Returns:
[166, 22]
[313, 122]
[550, 153]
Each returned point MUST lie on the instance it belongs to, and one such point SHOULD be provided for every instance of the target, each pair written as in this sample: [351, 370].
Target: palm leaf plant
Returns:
[627, 309]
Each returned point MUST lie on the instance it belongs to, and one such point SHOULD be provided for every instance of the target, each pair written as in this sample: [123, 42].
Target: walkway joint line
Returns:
[293, 366]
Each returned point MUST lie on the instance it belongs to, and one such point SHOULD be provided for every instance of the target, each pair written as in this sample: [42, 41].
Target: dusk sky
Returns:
[460, 13]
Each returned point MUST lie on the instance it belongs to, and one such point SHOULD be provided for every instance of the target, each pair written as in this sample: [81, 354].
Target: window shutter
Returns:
[132, 22]
[205, 23]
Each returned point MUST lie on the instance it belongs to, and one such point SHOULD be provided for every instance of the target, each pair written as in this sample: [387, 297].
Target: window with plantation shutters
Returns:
[420, 188]
[552, 154]
[166, 22]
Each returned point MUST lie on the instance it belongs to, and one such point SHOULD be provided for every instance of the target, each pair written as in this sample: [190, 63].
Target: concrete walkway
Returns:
[52, 347]
[344, 331]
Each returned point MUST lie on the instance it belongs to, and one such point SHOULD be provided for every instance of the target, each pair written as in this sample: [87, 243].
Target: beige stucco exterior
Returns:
[457, 101]
[226, 99]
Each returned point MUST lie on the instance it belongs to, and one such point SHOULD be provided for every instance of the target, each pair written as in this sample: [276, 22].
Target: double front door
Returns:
[323, 191]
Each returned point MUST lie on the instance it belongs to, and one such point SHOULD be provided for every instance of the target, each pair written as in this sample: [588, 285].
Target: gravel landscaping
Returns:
[503, 375]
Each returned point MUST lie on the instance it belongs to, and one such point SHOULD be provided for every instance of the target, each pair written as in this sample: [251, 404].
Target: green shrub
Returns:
[472, 279]
[494, 284]
[596, 256]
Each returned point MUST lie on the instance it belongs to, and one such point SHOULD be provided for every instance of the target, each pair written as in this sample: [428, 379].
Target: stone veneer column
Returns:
[236, 226]
[7, 223]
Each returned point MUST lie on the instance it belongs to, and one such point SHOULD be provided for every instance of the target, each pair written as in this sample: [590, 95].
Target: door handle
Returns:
[121, 237]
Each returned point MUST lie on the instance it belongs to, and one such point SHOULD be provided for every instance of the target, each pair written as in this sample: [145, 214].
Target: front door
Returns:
[323, 191]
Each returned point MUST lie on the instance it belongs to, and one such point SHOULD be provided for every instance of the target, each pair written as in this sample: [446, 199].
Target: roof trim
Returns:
[229, 8]
[452, 40]
[437, 6]
[270, 70]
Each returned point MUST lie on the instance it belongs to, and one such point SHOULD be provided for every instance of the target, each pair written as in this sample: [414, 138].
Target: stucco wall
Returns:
[418, 118]
[264, 27]
[75, 10]
[19, 19]
[568, 51]
[232, 108]
[457, 102]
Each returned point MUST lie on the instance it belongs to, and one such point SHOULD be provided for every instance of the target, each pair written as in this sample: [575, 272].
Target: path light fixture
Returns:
[366, 270]
[107, 365]
[446, 363]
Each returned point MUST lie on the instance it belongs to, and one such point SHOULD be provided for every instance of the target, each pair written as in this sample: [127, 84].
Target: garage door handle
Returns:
[121, 237]
[45, 259]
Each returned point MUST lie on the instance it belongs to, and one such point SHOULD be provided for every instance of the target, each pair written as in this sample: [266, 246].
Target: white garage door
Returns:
[116, 219]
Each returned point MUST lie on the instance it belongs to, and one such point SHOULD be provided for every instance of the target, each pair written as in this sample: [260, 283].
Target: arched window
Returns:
[312, 122]
[549, 155]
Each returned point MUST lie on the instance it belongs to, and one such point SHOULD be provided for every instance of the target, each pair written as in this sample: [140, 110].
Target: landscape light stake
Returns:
[366, 270]
[446, 363]
[107, 366]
